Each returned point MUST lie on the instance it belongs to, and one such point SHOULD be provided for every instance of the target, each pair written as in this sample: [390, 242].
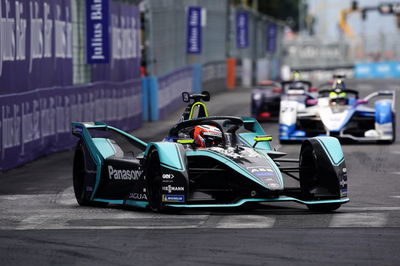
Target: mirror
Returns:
[206, 95]
[185, 97]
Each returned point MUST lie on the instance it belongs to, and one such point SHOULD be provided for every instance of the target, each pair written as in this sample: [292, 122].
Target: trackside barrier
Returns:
[230, 73]
[197, 77]
[153, 98]
[213, 77]
[38, 122]
[162, 95]
[377, 70]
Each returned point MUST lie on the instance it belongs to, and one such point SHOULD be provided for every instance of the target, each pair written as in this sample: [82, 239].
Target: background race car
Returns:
[231, 164]
[340, 113]
[266, 98]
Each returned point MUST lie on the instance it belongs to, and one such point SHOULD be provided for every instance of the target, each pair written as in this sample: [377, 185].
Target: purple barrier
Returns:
[38, 122]
[170, 88]
[35, 45]
[124, 36]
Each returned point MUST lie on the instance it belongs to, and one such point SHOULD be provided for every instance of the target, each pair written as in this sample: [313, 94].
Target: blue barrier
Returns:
[377, 70]
[153, 98]
[197, 76]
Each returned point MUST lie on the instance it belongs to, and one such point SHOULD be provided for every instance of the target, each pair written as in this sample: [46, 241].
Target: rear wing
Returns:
[94, 134]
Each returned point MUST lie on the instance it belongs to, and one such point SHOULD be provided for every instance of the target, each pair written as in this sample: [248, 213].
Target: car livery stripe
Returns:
[135, 203]
[109, 201]
[243, 201]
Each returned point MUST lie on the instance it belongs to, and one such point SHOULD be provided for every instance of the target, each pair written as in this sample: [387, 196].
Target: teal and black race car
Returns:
[218, 161]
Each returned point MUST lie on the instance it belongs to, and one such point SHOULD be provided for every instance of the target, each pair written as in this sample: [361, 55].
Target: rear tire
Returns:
[79, 176]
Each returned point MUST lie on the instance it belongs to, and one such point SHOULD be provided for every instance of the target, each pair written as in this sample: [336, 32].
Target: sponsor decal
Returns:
[273, 185]
[232, 153]
[138, 196]
[167, 176]
[173, 198]
[122, 174]
[344, 170]
[193, 37]
[77, 129]
[89, 188]
[267, 179]
[261, 171]
[343, 192]
[343, 183]
[170, 188]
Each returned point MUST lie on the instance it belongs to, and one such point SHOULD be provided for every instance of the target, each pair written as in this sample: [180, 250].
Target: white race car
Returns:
[340, 113]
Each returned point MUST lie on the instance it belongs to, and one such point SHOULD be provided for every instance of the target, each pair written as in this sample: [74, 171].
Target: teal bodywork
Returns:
[248, 137]
[169, 154]
[104, 146]
[99, 148]
[332, 148]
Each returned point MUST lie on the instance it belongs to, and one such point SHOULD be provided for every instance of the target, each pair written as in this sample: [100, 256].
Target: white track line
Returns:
[246, 221]
[358, 220]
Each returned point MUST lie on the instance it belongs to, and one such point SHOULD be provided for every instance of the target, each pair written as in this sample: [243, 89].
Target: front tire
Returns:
[153, 182]
[317, 182]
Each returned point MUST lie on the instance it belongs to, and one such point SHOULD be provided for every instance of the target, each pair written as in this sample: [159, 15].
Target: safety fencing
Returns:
[38, 122]
[163, 95]
[214, 76]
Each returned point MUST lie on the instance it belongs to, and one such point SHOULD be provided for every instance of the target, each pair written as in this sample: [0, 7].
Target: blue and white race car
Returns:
[339, 112]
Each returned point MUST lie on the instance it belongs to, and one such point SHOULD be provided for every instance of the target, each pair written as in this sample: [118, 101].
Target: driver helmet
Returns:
[296, 75]
[207, 136]
[338, 97]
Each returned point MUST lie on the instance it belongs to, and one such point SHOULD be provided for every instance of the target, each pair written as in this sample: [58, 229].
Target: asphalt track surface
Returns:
[41, 223]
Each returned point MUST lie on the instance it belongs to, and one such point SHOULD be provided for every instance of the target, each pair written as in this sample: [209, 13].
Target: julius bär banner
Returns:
[193, 38]
[124, 41]
[35, 44]
[242, 29]
[97, 44]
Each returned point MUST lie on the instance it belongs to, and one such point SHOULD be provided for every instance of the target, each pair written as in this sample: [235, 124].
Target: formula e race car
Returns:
[219, 161]
[266, 98]
[340, 113]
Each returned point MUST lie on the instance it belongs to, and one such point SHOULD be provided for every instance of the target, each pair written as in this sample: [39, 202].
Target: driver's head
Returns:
[338, 98]
[207, 136]
[296, 75]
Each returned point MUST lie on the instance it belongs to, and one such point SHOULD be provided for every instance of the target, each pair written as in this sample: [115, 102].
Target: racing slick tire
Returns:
[317, 182]
[79, 175]
[154, 182]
